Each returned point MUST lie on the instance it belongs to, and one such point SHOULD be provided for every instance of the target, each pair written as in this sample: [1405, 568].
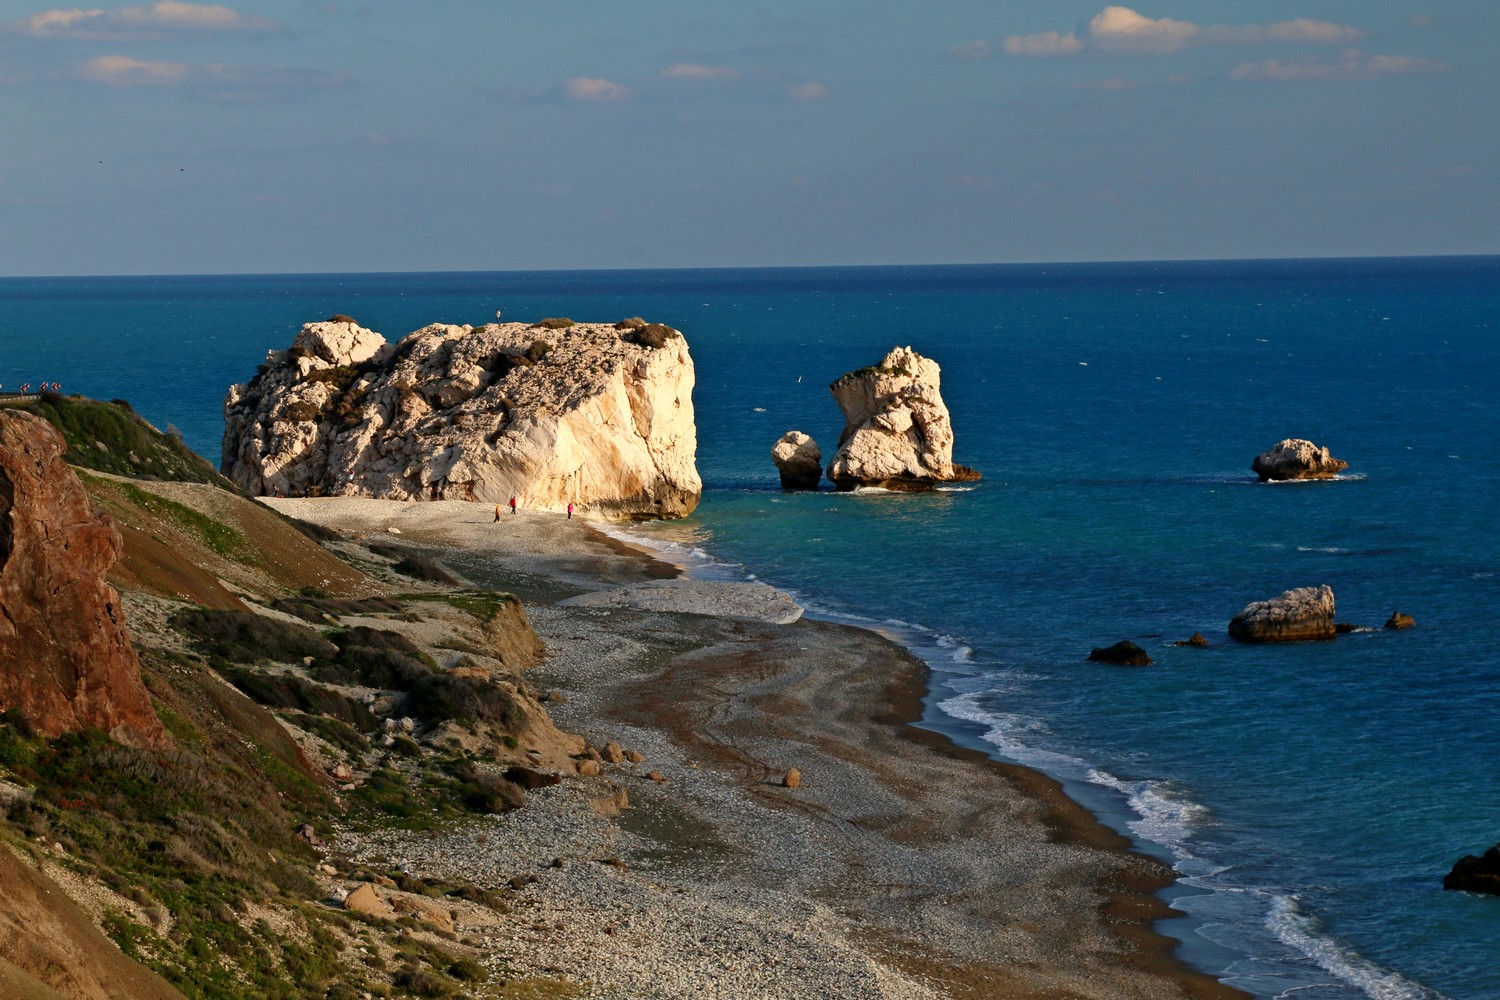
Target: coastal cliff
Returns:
[596, 415]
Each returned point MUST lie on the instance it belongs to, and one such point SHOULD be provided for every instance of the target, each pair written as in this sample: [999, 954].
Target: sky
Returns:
[281, 136]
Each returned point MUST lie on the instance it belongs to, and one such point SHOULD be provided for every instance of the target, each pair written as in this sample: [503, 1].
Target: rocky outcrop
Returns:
[799, 460]
[65, 655]
[1122, 654]
[1299, 615]
[1476, 873]
[1397, 620]
[584, 414]
[1295, 458]
[897, 433]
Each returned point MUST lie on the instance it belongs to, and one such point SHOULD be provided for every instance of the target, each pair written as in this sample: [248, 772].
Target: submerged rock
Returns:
[1295, 458]
[1122, 654]
[1400, 621]
[584, 414]
[65, 655]
[1196, 640]
[897, 433]
[1476, 873]
[799, 460]
[1299, 615]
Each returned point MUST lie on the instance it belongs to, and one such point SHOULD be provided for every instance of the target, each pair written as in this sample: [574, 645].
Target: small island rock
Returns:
[799, 460]
[1299, 615]
[1476, 873]
[1195, 640]
[897, 433]
[1400, 621]
[1122, 654]
[1295, 458]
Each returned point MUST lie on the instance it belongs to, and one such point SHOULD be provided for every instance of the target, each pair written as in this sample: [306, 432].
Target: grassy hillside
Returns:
[111, 437]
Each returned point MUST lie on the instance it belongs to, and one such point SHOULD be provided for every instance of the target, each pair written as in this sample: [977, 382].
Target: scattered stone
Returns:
[530, 778]
[1196, 640]
[341, 771]
[657, 777]
[590, 768]
[327, 870]
[519, 882]
[1299, 615]
[1344, 628]
[1296, 458]
[1122, 654]
[424, 910]
[792, 778]
[1476, 873]
[364, 899]
[799, 460]
[634, 756]
[1399, 621]
[309, 835]
[612, 753]
[610, 805]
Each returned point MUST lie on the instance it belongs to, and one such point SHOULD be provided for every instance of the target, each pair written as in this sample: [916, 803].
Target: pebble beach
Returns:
[900, 866]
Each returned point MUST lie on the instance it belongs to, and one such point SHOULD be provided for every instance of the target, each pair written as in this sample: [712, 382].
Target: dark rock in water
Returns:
[1195, 640]
[1344, 628]
[1398, 620]
[1299, 615]
[1476, 873]
[799, 460]
[1296, 458]
[1122, 654]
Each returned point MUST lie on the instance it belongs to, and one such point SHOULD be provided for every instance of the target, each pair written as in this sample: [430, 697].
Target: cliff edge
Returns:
[596, 415]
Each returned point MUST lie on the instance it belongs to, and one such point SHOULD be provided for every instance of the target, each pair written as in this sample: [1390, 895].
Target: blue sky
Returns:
[337, 135]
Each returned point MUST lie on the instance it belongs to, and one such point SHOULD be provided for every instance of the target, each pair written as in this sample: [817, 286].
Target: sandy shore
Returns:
[903, 866]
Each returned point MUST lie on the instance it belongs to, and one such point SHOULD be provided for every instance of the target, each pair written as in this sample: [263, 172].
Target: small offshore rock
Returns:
[1399, 621]
[1296, 458]
[792, 778]
[1476, 873]
[1344, 628]
[799, 460]
[1196, 640]
[1122, 654]
[1300, 615]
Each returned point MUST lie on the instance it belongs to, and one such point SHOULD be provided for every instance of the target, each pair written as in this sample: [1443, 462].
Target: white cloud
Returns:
[698, 71]
[123, 71]
[231, 83]
[1352, 65]
[148, 20]
[970, 51]
[811, 90]
[1124, 30]
[1048, 43]
[595, 90]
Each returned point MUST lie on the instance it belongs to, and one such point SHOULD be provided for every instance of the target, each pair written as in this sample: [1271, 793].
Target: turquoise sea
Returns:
[1312, 796]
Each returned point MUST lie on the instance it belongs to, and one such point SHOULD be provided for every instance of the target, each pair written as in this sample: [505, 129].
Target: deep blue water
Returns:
[1312, 795]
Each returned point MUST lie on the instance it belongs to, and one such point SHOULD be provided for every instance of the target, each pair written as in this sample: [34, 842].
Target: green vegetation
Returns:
[110, 437]
[410, 562]
[242, 637]
[218, 536]
[482, 604]
[651, 335]
[556, 323]
[632, 323]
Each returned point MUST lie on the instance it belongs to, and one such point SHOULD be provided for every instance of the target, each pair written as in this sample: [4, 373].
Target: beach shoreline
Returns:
[928, 868]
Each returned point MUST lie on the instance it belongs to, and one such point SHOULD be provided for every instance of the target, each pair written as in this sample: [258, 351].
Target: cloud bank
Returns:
[1123, 30]
[1352, 65]
[149, 20]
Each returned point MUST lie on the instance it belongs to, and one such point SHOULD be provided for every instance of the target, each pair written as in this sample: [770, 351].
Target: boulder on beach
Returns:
[799, 460]
[1295, 458]
[897, 433]
[553, 414]
[1122, 654]
[1476, 873]
[1299, 615]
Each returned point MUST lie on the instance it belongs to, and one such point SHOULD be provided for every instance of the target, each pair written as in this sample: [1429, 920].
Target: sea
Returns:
[1310, 796]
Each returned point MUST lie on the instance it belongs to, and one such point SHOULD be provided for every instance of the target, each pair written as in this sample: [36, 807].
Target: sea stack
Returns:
[1299, 615]
[597, 415]
[65, 655]
[1295, 458]
[799, 460]
[897, 433]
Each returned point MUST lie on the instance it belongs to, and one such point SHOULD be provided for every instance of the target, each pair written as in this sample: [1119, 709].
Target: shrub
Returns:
[412, 563]
[318, 609]
[633, 323]
[443, 697]
[243, 637]
[374, 658]
[653, 335]
[300, 411]
[291, 691]
[556, 323]
[538, 350]
[341, 318]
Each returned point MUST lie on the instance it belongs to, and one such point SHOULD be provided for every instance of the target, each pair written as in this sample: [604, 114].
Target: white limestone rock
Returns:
[1296, 458]
[799, 460]
[590, 415]
[1300, 615]
[897, 433]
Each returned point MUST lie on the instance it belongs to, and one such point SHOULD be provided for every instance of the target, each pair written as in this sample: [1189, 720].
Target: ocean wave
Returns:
[1303, 932]
[1166, 817]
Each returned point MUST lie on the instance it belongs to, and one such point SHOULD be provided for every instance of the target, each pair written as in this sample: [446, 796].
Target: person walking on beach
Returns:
[512, 505]
[497, 512]
[570, 512]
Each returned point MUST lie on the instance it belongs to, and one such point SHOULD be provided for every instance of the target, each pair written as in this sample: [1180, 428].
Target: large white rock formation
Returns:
[897, 433]
[594, 415]
[1296, 458]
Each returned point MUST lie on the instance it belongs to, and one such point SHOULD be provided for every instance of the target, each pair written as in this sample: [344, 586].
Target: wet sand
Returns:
[904, 866]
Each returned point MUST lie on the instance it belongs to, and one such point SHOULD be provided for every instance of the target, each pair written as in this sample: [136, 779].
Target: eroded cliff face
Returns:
[897, 432]
[65, 655]
[591, 415]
